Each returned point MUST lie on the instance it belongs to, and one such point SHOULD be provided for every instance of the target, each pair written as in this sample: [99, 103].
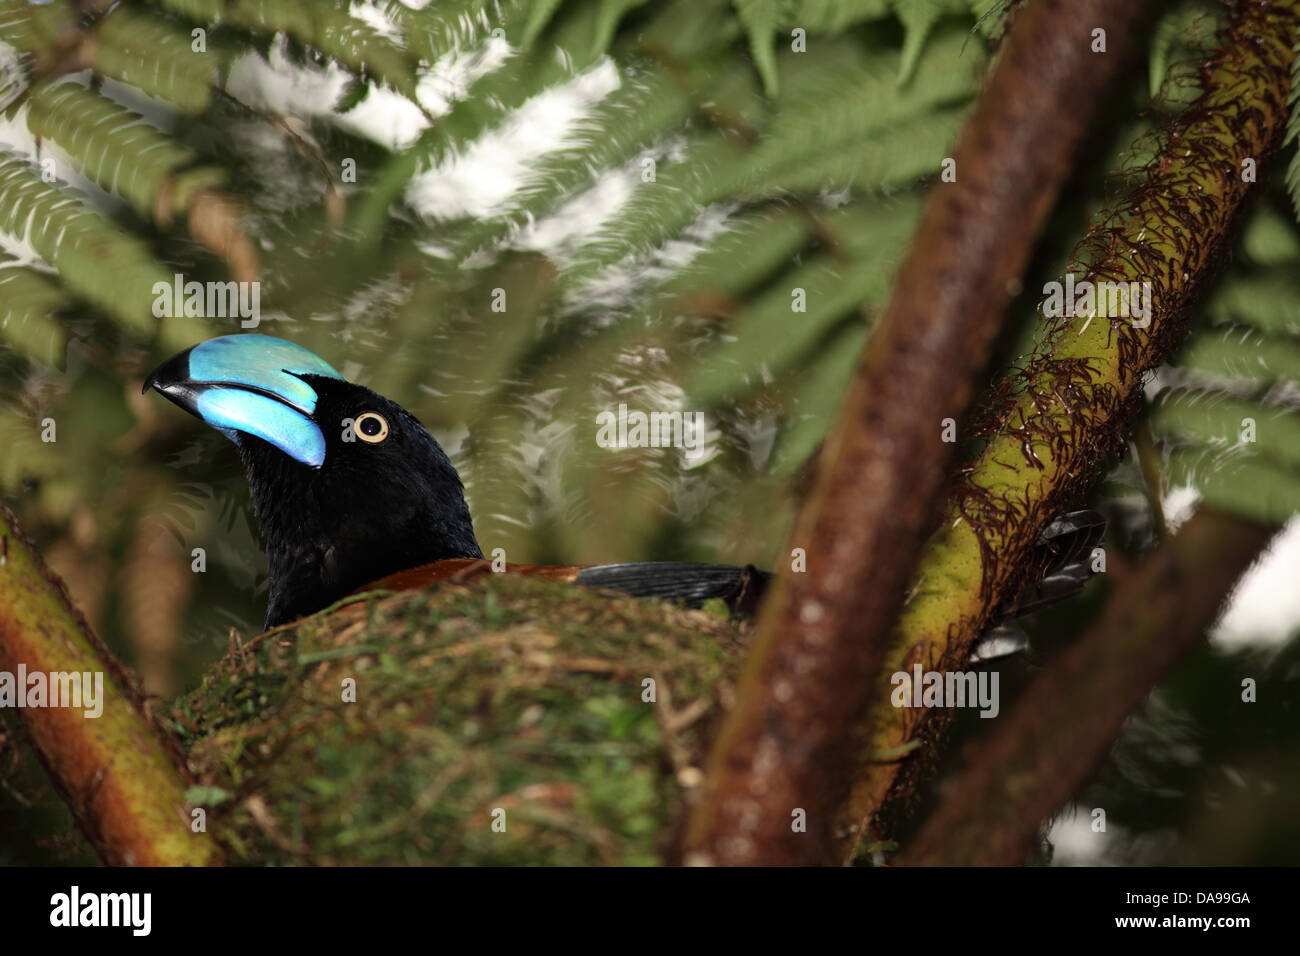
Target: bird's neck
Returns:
[321, 547]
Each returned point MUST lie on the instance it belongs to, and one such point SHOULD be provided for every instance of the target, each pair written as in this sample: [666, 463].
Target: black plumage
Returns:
[370, 509]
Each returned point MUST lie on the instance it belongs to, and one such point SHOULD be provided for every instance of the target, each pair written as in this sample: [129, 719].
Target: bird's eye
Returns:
[371, 427]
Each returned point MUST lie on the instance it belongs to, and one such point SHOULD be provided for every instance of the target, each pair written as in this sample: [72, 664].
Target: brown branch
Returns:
[790, 743]
[1061, 728]
[1062, 418]
[120, 774]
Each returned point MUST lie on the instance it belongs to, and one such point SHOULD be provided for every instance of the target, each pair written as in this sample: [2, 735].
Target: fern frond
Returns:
[156, 56]
[760, 19]
[539, 14]
[1269, 301]
[839, 98]
[835, 16]
[1227, 423]
[772, 337]
[26, 456]
[754, 246]
[1244, 355]
[919, 18]
[682, 31]
[609, 13]
[495, 96]
[641, 110]
[1251, 487]
[45, 33]
[812, 407]
[654, 214]
[29, 303]
[1270, 238]
[118, 150]
[328, 27]
[898, 157]
[1292, 141]
[432, 32]
[93, 257]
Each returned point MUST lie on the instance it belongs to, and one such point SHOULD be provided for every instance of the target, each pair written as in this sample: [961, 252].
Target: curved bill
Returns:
[250, 385]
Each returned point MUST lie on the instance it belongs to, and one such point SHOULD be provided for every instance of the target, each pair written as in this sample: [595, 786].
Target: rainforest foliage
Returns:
[511, 216]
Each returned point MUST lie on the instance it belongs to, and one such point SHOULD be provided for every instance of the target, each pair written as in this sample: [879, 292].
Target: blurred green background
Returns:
[647, 184]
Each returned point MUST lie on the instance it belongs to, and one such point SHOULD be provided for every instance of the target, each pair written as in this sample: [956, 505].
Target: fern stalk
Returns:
[1065, 415]
[120, 776]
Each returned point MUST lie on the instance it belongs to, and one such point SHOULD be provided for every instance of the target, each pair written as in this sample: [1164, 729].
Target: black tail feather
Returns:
[681, 581]
[1062, 559]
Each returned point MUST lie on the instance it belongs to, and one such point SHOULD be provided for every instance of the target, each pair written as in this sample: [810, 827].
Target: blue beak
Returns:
[250, 385]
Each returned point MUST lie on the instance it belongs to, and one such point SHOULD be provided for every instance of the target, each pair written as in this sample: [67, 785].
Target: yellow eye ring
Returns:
[370, 427]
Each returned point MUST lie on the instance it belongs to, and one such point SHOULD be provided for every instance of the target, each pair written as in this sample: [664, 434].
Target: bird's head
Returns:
[348, 486]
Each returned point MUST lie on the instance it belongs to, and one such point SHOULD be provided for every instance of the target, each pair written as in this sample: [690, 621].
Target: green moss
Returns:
[506, 699]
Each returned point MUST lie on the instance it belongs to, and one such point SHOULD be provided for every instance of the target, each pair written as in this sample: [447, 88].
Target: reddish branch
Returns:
[1063, 725]
[790, 743]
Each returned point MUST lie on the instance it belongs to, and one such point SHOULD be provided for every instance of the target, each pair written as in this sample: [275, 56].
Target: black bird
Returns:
[351, 490]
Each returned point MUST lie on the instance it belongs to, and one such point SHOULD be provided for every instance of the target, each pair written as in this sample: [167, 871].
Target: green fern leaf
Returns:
[1269, 238]
[629, 118]
[93, 257]
[448, 25]
[29, 304]
[26, 456]
[1223, 422]
[1243, 355]
[607, 17]
[919, 18]
[812, 407]
[835, 16]
[40, 31]
[328, 27]
[1268, 301]
[1250, 487]
[1292, 141]
[753, 248]
[760, 19]
[899, 157]
[117, 149]
[156, 56]
[539, 15]
[771, 336]
[837, 99]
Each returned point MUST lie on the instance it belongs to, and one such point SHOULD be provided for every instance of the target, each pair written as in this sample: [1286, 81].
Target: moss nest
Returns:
[500, 721]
